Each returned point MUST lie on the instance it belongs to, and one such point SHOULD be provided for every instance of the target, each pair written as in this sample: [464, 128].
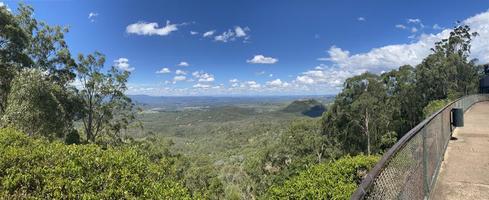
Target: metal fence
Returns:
[410, 168]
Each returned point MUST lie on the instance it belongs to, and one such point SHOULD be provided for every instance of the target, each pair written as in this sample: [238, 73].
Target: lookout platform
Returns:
[464, 172]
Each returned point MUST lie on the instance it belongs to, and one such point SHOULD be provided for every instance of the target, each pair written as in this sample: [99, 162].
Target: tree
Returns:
[38, 106]
[105, 106]
[448, 72]
[403, 99]
[27, 43]
[359, 115]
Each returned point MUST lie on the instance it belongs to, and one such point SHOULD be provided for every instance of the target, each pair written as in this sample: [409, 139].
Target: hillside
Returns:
[308, 107]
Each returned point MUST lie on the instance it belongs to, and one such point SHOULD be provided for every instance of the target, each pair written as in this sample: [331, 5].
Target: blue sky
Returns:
[258, 47]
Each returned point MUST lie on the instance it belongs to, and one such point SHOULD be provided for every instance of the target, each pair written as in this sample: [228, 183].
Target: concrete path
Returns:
[464, 173]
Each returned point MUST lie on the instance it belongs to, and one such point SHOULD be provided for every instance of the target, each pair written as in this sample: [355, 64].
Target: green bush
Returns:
[38, 169]
[434, 106]
[333, 180]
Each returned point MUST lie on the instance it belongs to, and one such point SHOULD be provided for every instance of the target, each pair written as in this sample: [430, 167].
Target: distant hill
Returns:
[308, 107]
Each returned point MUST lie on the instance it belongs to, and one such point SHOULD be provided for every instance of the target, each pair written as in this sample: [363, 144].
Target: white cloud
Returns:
[209, 33]
[414, 30]
[233, 34]
[225, 36]
[252, 84]
[194, 32]
[203, 76]
[180, 72]
[277, 83]
[240, 32]
[163, 70]
[261, 59]
[437, 27]
[361, 19]
[200, 85]
[92, 16]
[328, 78]
[400, 26]
[123, 64]
[143, 28]
[179, 78]
[414, 21]
[345, 64]
[183, 64]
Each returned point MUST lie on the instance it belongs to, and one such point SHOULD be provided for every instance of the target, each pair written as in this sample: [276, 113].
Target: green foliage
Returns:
[359, 117]
[334, 180]
[72, 137]
[35, 168]
[434, 106]
[106, 109]
[371, 110]
[37, 106]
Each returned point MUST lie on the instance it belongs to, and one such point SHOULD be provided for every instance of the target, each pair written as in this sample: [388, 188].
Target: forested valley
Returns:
[69, 131]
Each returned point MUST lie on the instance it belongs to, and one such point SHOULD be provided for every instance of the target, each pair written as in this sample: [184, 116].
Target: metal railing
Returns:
[410, 168]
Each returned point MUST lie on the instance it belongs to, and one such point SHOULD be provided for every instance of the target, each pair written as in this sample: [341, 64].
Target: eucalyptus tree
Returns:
[28, 43]
[106, 109]
[360, 114]
[37, 106]
[448, 72]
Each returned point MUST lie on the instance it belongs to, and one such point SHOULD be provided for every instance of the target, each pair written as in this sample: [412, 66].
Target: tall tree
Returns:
[27, 43]
[39, 107]
[106, 109]
[359, 116]
[448, 72]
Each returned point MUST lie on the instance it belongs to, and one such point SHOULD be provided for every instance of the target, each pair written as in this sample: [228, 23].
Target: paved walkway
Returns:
[464, 173]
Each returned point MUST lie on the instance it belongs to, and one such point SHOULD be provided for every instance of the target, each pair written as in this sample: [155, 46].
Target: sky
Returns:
[227, 48]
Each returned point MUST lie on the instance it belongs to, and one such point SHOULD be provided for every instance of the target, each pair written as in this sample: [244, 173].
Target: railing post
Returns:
[425, 165]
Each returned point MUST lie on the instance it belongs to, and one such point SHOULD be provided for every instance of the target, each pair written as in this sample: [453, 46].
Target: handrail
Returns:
[431, 144]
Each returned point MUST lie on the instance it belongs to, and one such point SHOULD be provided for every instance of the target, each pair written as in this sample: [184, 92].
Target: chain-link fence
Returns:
[410, 168]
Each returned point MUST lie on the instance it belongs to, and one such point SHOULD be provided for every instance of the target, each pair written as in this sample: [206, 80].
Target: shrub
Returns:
[37, 169]
[434, 106]
[333, 180]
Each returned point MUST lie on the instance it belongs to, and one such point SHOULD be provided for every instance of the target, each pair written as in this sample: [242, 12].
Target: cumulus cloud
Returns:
[200, 85]
[437, 27]
[277, 83]
[209, 33]
[400, 26]
[240, 32]
[183, 64]
[225, 36]
[203, 76]
[163, 70]
[261, 59]
[252, 84]
[179, 78]
[233, 80]
[194, 32]
[180, 72]
[92, 16]
[414, 20]
[361, 19]
[233, 34]
[344, 64]
[123, 64]
[143, 28]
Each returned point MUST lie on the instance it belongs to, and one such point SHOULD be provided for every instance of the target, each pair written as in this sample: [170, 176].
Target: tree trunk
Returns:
[367, 131]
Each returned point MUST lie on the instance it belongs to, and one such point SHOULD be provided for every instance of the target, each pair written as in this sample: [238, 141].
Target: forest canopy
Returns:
[64, 119]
